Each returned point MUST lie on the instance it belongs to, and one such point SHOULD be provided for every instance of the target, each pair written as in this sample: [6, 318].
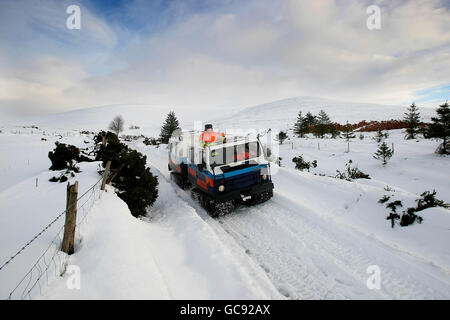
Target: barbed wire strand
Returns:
[55, 244]
[45, 229]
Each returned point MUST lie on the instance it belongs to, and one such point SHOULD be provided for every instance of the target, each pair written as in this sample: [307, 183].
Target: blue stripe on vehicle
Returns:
[241, 171]
[228, 174]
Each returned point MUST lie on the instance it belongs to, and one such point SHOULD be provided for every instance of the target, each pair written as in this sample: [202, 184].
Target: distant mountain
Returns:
[148, 117]
[279, 114]
[283, 113]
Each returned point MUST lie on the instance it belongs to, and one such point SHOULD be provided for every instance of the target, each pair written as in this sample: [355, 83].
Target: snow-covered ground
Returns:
[318, 235]
[315, 239]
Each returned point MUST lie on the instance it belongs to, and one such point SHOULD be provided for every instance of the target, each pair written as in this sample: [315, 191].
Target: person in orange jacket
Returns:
[210, 136]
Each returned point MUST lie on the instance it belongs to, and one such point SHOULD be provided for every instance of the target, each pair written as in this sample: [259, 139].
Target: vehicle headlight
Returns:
[221, 188]
[264, 176]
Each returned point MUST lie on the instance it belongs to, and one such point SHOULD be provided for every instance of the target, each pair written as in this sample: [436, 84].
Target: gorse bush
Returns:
[429, 200]
[351, 173]
[409, 216]
[150, 141]
[63, 156]
[384, 199]
[301, 164]
[109, 136]
[134, 181]
[66, 157]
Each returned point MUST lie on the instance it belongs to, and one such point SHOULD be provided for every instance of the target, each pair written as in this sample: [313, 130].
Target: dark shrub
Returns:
[429, 200]
[301, 164]
[63, 156]
[384, 199]
[110, 137]
[135, 183]
[351, 173]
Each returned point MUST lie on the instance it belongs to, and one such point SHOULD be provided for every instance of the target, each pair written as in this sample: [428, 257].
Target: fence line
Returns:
[52, 260]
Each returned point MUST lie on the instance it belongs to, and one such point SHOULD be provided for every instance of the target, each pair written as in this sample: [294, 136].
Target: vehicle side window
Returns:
[191, 155]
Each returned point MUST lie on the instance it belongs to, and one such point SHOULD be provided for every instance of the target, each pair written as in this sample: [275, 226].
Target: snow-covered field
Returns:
[315, 239]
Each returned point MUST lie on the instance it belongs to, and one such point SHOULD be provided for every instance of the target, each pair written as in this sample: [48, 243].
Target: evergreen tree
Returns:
[322, 124]
[310, 118]
[440, 128]
[281, 136]
[383, 153]
[333, 131]
[301, 126]
[412, 119]
[348, 133]
[380, 136]
[170, 125]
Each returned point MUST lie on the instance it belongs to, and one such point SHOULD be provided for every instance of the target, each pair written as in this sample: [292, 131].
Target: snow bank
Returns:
[173, 256]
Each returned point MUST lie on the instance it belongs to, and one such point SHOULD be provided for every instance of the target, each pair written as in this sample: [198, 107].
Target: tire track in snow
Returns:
[305, 258]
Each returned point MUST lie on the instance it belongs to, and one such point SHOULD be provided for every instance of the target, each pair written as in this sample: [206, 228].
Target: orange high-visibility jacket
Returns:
[206, 137]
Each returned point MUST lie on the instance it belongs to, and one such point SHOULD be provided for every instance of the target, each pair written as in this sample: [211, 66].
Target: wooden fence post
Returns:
[105, 175]
[71, 219]
[392, 147]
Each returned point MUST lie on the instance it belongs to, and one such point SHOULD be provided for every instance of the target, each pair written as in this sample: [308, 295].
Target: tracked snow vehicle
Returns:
[221, 175]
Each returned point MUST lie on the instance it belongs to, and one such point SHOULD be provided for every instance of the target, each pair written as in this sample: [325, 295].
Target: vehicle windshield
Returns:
[236, 153]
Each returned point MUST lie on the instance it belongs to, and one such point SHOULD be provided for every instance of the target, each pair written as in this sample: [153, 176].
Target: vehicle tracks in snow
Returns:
[305, 256]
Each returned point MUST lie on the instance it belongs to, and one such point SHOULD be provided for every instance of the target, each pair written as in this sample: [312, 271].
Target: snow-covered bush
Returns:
[384, 199]
[110, 136]
[429, 200]
[351, 173]
[134, 181]
[409, 216]
[150, 141]
[65, 157]
[301, 164]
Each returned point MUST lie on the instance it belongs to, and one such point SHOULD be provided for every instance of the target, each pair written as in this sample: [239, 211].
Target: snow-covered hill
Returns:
[148, 117]
[281, 114]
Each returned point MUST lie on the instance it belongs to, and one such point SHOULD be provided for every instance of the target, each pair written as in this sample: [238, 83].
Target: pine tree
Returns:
[310, 118]
[281, 136]
[348, 133]
[170, 125]
[322, 125]
[380, 136]
[333, 131]
[301, 126]
[383, 153]
[297, 125]
[412, 119]
[440, 128]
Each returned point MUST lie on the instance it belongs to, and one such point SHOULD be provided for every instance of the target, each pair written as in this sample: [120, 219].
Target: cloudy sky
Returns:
[211, 54]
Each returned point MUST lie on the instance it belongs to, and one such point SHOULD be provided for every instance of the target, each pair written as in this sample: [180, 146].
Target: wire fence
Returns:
[52, 262]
